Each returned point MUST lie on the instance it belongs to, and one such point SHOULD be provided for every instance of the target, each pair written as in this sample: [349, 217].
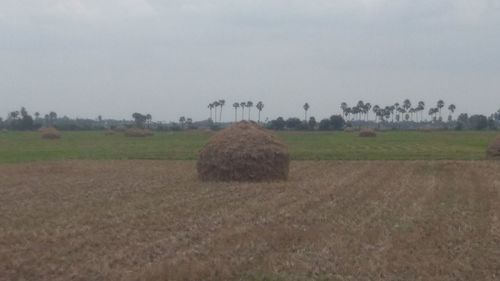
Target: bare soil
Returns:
[332, 220]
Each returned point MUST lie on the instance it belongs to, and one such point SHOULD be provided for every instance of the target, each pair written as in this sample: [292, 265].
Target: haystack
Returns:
[493, 151]
[49, 133]
[243, 152]
[137, 132]
[367, 133]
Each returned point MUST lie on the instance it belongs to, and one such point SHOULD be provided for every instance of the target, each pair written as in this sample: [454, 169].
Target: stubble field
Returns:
[333, 220]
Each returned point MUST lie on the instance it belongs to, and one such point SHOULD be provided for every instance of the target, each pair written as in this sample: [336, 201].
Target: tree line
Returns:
[402, 116]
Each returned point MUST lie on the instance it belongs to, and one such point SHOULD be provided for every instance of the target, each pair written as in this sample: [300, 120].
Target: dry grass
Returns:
[153, 220]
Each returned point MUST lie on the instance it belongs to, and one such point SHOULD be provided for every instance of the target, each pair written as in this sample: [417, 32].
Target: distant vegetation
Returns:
[398, 116]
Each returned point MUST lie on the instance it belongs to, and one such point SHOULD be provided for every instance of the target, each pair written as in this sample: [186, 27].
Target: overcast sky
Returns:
[171, 58]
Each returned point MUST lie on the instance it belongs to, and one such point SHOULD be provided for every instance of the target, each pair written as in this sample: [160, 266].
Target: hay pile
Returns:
[243, 152]
[367, 133]
[493, 151]
[49, 133]
[136, 132]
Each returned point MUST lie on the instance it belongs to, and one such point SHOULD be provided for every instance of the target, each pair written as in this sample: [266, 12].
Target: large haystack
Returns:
[493, 151]
[49, 133]
[243, 152]
[367, 133]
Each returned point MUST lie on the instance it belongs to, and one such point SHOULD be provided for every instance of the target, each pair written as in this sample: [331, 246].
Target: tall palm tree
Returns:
[249, 105]
[452, 108]
[211, 107]
[406, 104]
[344, 108]
[216, 104]
[396, 108]
[243, 104]
[236, 105]
[306, 108]
[376, 110]
[367, 108]
[421, 108]
[440, 104]
[221, 104]
[260, 106]
[148, 119]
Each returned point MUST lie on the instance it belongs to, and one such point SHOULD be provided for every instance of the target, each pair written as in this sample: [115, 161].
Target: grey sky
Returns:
[171, 58]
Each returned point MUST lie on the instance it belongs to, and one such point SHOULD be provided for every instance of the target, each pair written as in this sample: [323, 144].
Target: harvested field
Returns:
[333, 220]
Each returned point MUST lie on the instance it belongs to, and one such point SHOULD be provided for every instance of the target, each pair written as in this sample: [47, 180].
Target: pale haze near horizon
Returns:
[84, 58]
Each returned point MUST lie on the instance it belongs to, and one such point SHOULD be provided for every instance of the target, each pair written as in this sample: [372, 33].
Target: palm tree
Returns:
[37, 115]
[344, 108]
[452, 108]
[236, 105]
[306, 108]
[361, 108]
[367, 108]
[376, 110]
[260, 106]
[406, 104]
[397, 109]
[148, 119]
[182, 119]
[216, 104]
[440, 104]
[52, 117]
[249, 105]
[421, 108]
[211, 107]
[243, 104]
[221, 104]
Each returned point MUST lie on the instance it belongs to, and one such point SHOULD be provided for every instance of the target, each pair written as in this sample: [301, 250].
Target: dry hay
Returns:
[367, 133]
[137, 132]
[493, 151]
[49, 133]
[243, 152]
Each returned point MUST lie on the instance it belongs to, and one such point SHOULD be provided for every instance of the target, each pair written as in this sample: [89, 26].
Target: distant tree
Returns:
[478, 122]
[293, 123]
[149, 118]
[337, 123]
[260, 106]
[312, 123]
[52, 117]
[324, 125]
[406, 105]
[491, 123]
[440, 105]
[243, 105]
[37, 115]
[452, 109]
[278, 124]
[182, 120]
[211, 107]
[463, 119]
[249, 106]
[139, 119]
[221, 104]
[216, 104]
[367, 108]
[421, 108]
[306, 108]
[344, 108]
[236, 105]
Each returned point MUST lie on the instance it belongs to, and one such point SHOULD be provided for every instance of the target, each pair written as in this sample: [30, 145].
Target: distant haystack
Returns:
[49, 133]
[493, 151]
[367, 133]
[136, 132]
[243, 152]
